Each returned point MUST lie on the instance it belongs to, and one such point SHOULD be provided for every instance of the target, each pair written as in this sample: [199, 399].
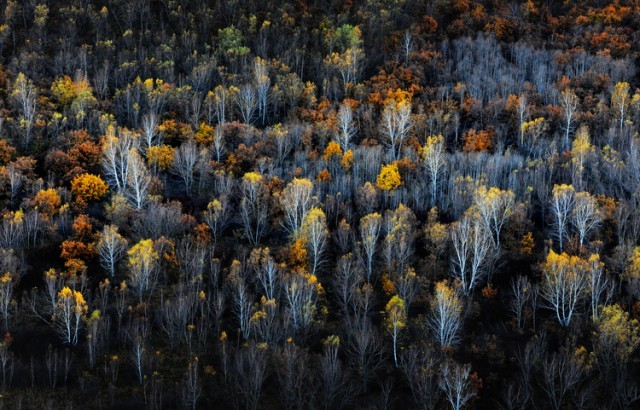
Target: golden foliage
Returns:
[616, 331]
[88, 187]
[389, 178]
[527, 243]
[332, 151]
[160, 156]
[47, 201]
[396, 315]
[347, 160]
[298, 254]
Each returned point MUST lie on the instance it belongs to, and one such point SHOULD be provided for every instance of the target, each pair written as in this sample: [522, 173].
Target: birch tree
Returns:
[569, 105]
[620, 101]
[184, 163]
[585, 216]
[143, 264]
[470, 252]
[564, 284]
[434, 160]
[138, 180]
[562, 201]
[346, 126]
[315, 233]
[455, 382]
[111, 247]
[70, 310]
[445, 318]
[370, 226]
[116, 156]
[24, 95]
[494, 206]
[253, 207]
[296, 200]
[396, 123]
[395, 321]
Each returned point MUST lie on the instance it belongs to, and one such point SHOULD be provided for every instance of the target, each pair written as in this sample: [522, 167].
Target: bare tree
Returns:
[600, 286]
[296, 200]
[346, 126]
[396, 124]
[218, 144]
[111, 247]
[138, 180]
[420, 367]
[455, 382]
[585, 216]
[294, 377]
[150, 134]
[24, 95]
[137, 334]
[116, 155]
[365, 349]
[523, 114]
[562, 201]
[191, 385]
[569, 105]
[247, 103]
[370, 226]
[332, 377]
[15, 180]
[301, 298]
[434, 160]
[184, 163]
[407, 45]
[262, 83]
[346, 279]
[266, 272]
[520, 289]
[253, 207]
[241, 301]
[250, 373]
[470, 252]
[8, 283]
[562, 374]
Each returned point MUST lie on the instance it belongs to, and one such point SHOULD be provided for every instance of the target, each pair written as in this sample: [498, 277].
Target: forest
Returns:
[319, 204]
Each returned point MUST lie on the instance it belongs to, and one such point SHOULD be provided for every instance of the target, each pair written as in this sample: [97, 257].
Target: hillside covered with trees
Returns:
[319, 204]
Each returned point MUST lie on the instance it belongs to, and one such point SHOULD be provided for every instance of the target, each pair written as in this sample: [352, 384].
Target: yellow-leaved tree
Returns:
[564, 285]
[47, 202]
[315, 232]
[395, 321]
[389, 178]
[143, 264]
[88, 187]
[445, 319]
[617, 336]
[70, 310]
[632, 273]
[160, 157]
